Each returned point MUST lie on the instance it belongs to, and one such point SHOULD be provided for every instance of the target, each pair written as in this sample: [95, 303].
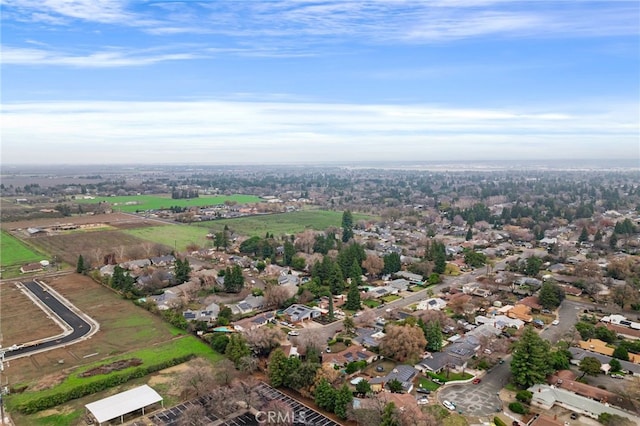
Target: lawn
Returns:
[451, 377]
[133, 203]
[14, 253]
[391, 298]
[371, 303]
[425, 383]
[282, 223]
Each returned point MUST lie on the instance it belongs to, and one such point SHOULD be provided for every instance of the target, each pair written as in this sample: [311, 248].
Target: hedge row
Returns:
[38, 403]
[498, 421]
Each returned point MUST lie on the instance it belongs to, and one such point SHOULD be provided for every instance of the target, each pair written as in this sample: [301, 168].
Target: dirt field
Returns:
[113, 219]
[17, 312]
[123, 327]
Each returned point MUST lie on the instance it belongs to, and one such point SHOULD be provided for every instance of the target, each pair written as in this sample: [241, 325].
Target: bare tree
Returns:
[198, 379]
[245, 390]
[373, 264]
[194, 415]
[275, 295]
[222, 401]
[225, 372]
[305, 240]
[278, 413]
[147, 248]
[264, 339]
[412, 415]
[366, 318]
[403, 343]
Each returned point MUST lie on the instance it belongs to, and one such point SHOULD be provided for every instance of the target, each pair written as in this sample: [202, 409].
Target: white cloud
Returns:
[114, 57]
[282, 132]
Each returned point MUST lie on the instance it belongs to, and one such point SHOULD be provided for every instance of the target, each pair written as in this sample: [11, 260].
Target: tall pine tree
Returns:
[530, 363]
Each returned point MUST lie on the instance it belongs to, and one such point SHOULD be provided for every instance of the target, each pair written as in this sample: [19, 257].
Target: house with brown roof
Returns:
[521, 312]
[31, 267]
[591, 392]
[350, 354]
[532, 302]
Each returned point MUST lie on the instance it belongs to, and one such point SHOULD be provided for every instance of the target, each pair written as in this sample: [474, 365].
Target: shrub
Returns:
[498, 421]
[524, 396]
[518, 408]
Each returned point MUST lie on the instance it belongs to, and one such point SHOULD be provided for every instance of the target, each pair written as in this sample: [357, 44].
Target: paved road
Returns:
[481, 399]
[80, 327]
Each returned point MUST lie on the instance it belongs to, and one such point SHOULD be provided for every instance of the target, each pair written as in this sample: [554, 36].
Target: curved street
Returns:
[79, 327]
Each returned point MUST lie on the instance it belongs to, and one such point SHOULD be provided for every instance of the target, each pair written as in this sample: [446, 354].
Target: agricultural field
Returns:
[14, 253]
[93, 245]
[176, 237]
[283, 223]
[133, 203]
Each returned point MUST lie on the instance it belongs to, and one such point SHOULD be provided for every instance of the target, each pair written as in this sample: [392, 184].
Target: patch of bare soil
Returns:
[114, 366]
[48, 381]
[164, 376]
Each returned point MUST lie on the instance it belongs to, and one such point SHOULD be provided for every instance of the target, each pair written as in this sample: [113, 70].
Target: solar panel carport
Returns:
[123, 403]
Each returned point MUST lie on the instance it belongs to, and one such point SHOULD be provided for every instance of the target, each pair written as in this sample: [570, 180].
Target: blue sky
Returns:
[228, 82]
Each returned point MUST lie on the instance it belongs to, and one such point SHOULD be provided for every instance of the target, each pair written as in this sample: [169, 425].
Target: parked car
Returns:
[574, 416]
[423, 400]
[293, 333]
[450, 405]
[476, 380]
[423, 390]
[617, 376]
[555, 322]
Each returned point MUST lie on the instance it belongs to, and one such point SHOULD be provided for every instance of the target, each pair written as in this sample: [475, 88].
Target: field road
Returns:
[79, 326]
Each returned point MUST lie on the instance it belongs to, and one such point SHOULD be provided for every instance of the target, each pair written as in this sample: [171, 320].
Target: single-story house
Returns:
[545, 397]
[378, 292]
[165, 300]
[297, 313]
[405, 374]
[500, 321]
[250, 303]
[432, 304]
[435, 362]
[254, 322]
[399, 284]
[369, 337]
[521, 312]
[578, 354]
[409, 276]
[132, 264]
[288, 279]
[348, 355]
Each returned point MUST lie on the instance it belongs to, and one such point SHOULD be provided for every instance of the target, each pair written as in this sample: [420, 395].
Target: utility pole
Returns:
[2, 388]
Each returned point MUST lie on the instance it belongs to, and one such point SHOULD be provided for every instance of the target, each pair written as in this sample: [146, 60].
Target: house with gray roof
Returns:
[297, 313]
[405, 374]
[163, 260]
[409, 276]
[250, 303]
[578, 354]
[378, 292]
[545, 397]
[399, 284]
[368, 337]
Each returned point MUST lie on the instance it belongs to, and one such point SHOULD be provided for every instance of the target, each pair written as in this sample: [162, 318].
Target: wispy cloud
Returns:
[368, 21]
[110, 58]
[290, 131]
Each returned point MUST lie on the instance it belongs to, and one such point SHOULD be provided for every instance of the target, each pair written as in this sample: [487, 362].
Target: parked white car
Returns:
[555, 322]
[450, 405]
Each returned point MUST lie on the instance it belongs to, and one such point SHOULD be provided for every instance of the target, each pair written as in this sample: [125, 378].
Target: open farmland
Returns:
[135, 203]
[124, 327]
[174, 236]
[14, 253]
[283, 223]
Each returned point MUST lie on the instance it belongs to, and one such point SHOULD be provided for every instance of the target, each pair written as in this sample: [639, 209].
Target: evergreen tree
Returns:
[584, 235]
[237, 348]
[353, 297]
[469, 235]
[325, 395]
[182, 270]
[551, 295]
[613, 241]
[347, 226]
[80, 268]
[331, 313]
[335, 279]
[363, 387]
[530, 363]
[389, 417]
[433, 334]
[343, 400]
[277, 368]
[598, 236]
[289, 252]
[391, 263]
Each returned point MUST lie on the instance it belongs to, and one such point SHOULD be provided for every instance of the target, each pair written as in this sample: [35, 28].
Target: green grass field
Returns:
[180, 236]
[176, 236]
[282, 223]
[14, 253]
[155, 202]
